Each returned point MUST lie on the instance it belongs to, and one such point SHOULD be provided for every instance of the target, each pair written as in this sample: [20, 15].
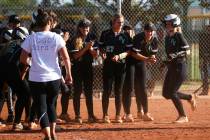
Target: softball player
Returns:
[83, 48]
[113, 44]
[145, 46]
[177, 49]
[11, 73]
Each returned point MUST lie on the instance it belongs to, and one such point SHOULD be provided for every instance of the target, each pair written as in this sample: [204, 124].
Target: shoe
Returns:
[128, 118]
[140, 115]
[58, 128]
[92, 119]
[54, 138]
[10, 118]
[106, 119]
[118, 119]
[181, 119]
[147, 117]
[47, 138]
[2, 124]
[193, 102]
[65, 117]
[17, 127]
[58, 120]
[32, 125]
[78, 120]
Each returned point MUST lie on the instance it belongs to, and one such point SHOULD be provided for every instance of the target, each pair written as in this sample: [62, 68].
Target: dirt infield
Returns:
[161, 128]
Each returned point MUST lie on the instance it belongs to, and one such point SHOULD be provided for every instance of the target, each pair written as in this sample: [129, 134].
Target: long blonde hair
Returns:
[78, 43]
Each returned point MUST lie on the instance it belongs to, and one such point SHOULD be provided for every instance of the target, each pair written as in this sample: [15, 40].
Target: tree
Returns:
[185, 4]
[10, 3]
[18, 7]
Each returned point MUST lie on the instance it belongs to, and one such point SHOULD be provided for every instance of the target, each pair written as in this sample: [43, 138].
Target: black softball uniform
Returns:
[176, 47]
[82, 73]
[112, 44]
[146, 49]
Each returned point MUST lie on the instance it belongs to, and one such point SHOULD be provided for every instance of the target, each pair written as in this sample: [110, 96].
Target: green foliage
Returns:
[17, 2]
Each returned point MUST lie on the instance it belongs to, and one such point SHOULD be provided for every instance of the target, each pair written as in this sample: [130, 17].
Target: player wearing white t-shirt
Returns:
[45, 74]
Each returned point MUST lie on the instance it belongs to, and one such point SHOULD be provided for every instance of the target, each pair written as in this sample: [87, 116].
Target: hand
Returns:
[89, 45]
[68, 79]
[162, 66]
[103, 55]
[151, 60]
[66, 36]
[23, 72]
[116, 58]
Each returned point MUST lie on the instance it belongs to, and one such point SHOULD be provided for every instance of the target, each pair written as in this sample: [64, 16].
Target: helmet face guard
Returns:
[173, 18]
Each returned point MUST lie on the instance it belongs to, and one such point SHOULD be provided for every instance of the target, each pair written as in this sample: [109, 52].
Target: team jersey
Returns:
[87, 57]
[175, 44]
[44, 47]
[10, 52]
[145, 48]
[114, 44]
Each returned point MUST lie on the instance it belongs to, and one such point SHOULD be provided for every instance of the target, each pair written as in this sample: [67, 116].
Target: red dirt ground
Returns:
[161, 128]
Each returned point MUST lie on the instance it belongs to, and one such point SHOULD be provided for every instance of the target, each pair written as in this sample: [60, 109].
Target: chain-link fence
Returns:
[136, 14]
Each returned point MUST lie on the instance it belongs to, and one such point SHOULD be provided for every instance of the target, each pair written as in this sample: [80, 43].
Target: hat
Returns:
[149, 26]
[84, 23]
[14, 19]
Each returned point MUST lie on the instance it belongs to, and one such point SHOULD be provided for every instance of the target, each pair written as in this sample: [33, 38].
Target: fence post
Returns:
[119, 10]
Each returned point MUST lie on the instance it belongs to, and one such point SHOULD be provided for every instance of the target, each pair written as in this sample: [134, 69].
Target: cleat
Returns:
[181, 119]
[118, 119]
[78, 120]
[65, 117]
[129, 118]
[17, 127]
[147, 117]
[106, 119]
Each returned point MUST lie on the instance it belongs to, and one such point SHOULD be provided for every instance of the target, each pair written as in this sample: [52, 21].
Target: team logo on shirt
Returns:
[109, 49]
[122, 39]
[173, 42]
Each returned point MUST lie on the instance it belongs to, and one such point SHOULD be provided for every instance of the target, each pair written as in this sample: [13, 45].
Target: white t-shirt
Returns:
[44, 47]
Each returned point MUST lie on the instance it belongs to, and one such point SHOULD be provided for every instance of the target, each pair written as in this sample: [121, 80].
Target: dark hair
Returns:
[84, 23]
[14, 19]
[42, 18]
[149, 26]
[54, 16]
